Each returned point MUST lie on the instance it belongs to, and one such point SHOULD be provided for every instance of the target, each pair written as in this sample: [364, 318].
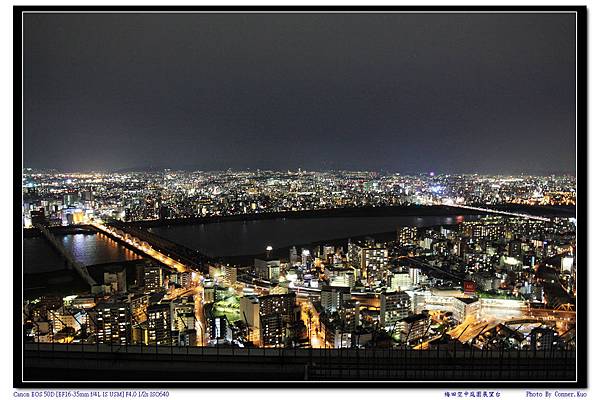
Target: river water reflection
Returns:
[89, 249]
[235, 238]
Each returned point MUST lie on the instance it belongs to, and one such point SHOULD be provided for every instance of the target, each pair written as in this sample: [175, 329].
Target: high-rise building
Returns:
[394, 307]
[407, 235]
[354, 255]
[399, 280]
[187, 338]
[370, 259]
[229, 274]
[39, 218]
[153, 278]
[374, 264]
[70, 199]
[350, 315]
[273, 330]
[466, 307]
[340, 276]
[159, 324]
[328, 252]
[185, 279]
[112, 323]
[277, 317]
[415, 275]
[332, 297]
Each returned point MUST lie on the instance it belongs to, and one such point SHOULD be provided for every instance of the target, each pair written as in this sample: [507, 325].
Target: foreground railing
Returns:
[209, 363]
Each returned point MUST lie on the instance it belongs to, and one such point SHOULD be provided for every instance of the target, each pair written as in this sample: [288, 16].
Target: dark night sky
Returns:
[398, 92]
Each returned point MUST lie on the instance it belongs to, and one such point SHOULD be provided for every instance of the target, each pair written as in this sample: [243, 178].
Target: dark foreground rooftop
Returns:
[88, 364]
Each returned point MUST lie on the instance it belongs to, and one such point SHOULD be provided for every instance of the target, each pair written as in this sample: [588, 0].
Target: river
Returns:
[89, 249]
[235, 238]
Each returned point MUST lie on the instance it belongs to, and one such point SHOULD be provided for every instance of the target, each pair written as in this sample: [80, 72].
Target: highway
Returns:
[143, 247]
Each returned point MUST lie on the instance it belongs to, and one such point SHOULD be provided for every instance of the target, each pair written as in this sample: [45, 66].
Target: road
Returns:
[313, 327]
[144, 248]
[202, 338]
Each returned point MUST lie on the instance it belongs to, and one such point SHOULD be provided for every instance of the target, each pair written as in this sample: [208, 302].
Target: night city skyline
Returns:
[451, 93]
[345, 199]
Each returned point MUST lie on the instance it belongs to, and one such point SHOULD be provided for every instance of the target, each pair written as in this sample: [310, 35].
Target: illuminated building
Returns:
[277, 315]
[70, 199]
[466, 307]
[293, 255]
[340, 276]
[229, 274]
[305, 256]
[62, 318]
[394, 307]
[566, 264]
[412, 328]
[332, 297]
[219, 327]
[153, 278]
[514, 249]
[350, 315]
[273, 330]
[159, 324]
[112, 323]
[39, 218]
[83, 302]
[407, 235]
[374, 263]
[185, 279]
[336, 336]
[415, 275]
[400, 281]
[139, 334]
[187, 338]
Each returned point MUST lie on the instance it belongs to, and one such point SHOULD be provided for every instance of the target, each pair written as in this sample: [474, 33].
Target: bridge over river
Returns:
[169, 253]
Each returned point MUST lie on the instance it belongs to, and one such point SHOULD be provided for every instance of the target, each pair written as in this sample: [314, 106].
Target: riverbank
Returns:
[388, 211]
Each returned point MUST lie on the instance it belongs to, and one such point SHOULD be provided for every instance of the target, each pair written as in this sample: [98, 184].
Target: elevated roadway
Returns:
[153, 250]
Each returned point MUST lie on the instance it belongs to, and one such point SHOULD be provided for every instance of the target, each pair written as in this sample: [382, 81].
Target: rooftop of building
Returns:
[468, 300]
